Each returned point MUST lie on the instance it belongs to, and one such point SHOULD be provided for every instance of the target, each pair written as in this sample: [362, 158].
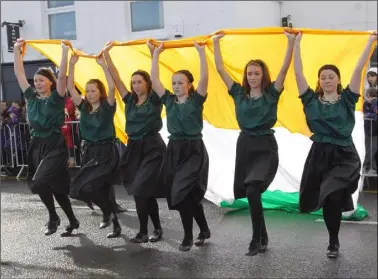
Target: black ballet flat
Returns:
[116, 229]
[139, 238]
[264, 243]
[156, 235]
[52, 227]
[333, 251]
[70, 228]
[186, 245]
[106, 222]
[202, 237]
[253, 249]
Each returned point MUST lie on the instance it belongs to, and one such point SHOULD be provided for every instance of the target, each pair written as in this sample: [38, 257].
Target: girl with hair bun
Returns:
[187, 161]
[48, 153]
[141, 163]
[100, 161]
[332, 168]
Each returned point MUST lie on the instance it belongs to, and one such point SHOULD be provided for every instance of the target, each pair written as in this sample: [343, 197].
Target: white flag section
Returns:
[293, 150]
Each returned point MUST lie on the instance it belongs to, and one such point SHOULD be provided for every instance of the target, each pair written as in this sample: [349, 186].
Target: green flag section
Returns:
[278, 200]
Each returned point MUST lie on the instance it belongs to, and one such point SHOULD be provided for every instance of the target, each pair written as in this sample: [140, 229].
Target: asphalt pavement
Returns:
[296, 249]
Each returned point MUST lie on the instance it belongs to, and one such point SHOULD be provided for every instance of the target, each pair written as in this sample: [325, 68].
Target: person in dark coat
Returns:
[48, 153]
[332, 169]
[100, 159]
[186, 167]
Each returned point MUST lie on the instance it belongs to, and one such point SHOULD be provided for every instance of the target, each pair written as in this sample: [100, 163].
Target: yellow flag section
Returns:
[319, 47]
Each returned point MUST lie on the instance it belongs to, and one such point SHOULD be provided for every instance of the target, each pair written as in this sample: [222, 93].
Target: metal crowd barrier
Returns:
[6, 149]
[16, 142]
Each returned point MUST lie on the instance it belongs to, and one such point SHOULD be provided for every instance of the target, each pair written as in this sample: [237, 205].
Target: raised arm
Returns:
[18, 65]
[71, 81]
[61, 82]
[355, 81]
[204, 72]
[298, 67]
[219, 62]
[114, 72]
[109, 79]
[157, 86]
[279, 82]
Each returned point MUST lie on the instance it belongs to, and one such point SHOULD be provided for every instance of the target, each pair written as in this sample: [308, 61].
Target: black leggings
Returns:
[188, 210]
[257, 214]
[332, 215]
[47, 197]
[147, 207]
[103, 198]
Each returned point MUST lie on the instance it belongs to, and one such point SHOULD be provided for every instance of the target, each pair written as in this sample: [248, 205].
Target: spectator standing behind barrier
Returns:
[370, 127]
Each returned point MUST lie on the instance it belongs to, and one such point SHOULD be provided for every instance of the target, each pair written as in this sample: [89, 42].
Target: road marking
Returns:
[353, 222]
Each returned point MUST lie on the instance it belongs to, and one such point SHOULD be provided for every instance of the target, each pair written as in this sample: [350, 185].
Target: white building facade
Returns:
[90, 24]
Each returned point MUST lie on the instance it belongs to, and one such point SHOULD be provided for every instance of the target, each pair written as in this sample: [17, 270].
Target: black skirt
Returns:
[329, 168]
[186, 171]
[47, 165]
[141, 167]
[256, 162]
[98, 173]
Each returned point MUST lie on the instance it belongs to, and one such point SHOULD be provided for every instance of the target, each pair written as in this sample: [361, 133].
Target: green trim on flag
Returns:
[278, 200]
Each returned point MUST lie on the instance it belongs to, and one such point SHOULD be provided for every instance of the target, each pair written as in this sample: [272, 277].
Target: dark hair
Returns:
[190, 78]
[101, 88]
[47, 73]
[266, 80]
[147, 79]
[318, 89]
[372, 74]
[372, 92]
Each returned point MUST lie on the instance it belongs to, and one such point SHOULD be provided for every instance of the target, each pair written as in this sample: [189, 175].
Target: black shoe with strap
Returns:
[52, 226]
[139, 238]
[156, 235]
[186, 245]
[72, 226]
[333, 251]
[202, 237]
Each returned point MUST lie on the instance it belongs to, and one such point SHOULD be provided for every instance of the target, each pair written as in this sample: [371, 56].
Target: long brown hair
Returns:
[318, 89]
[147, 79]
[190, 78]
[101, 87]
[266, 80]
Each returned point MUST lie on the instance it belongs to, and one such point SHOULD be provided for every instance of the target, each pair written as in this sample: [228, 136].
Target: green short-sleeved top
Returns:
[330, 122]
[184, 121]
[45, 115]
[97, 126]
[143, 119]
[255, 116]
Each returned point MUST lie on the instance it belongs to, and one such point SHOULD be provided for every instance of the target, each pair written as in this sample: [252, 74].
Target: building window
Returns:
[146, 15]
[61, 20]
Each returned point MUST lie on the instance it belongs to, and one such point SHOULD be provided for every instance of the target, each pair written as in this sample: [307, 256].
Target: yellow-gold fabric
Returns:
[319, 47]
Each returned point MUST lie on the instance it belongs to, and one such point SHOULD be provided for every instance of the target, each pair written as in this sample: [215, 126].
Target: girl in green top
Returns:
[256, 163]
[142, 160]
[332, 169]
[100, 154]
[187, 161]
[48, 153]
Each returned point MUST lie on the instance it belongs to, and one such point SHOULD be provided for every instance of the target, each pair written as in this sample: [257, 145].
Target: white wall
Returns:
[100, 21]
[341, 15]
